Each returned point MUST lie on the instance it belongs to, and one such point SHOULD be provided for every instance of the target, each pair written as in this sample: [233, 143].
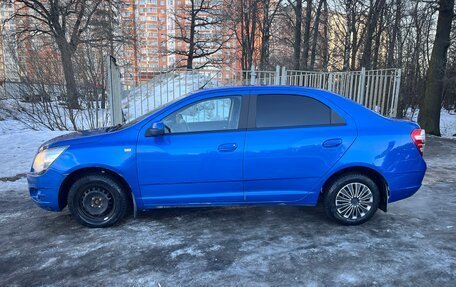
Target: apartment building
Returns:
[156, 45]
[8, 44]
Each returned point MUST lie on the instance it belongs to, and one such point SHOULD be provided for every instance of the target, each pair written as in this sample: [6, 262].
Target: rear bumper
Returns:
[403, 185]
[44, 189]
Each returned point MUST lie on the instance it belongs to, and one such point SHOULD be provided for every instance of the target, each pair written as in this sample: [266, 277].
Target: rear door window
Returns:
[292, 110]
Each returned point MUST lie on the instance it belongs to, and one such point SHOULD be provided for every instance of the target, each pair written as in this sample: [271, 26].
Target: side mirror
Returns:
[157, 129]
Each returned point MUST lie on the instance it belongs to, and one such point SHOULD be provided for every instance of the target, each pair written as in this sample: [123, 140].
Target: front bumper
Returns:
[44, 189]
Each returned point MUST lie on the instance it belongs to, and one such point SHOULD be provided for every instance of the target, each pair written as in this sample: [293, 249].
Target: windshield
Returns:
[140, 118]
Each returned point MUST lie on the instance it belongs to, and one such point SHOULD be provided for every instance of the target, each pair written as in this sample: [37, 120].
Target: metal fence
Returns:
[375, 89]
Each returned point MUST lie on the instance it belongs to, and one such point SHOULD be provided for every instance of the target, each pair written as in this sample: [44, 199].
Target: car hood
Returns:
[86, 136]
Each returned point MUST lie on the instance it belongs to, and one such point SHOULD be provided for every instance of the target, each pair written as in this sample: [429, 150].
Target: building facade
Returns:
[158, 42]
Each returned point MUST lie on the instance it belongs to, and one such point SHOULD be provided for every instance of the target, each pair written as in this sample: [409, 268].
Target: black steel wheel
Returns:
[97, 200]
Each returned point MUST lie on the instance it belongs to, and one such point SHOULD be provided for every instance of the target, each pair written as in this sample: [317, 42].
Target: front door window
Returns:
[215, 114]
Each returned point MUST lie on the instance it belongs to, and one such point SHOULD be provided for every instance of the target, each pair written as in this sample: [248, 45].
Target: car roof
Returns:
[345, 103]
[264, 89]
[305, 91]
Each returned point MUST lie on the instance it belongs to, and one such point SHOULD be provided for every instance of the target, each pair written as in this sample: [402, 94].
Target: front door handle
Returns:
[332, 142]
[227, 147]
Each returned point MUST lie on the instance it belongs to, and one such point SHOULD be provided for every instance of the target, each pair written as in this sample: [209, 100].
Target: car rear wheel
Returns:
[97, 200]
[352, 199]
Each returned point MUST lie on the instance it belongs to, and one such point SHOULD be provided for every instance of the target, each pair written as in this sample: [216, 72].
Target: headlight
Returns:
[46, 157]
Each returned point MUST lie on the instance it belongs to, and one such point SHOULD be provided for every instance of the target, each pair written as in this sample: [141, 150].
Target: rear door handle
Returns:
[332, 142]
[227, 147]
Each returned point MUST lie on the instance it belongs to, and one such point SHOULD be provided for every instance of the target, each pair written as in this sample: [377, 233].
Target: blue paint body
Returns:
[243, 166]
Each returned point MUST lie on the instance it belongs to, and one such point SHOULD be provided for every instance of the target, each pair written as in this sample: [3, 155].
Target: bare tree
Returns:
[297, 27]
[374, 13]
[243, 21]
[325, 52]
[394, 34]
[306, 36]
[429, 116]
[66, 22]
[315, 37]
[37, 99]
[200, 27]
[269, 11]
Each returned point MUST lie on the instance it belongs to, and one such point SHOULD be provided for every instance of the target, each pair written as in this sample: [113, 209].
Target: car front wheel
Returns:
[352, 199]
[97, 200]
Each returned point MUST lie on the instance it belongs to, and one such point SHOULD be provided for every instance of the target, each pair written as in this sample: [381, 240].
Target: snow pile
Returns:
[447, 121]
[18, 146]
[163, 89]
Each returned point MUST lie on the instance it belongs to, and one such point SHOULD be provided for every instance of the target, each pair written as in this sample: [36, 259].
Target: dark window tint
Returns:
[336, 119]
[288, 111]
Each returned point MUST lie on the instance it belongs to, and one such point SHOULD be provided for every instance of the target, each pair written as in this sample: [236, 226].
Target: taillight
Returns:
[419, 139]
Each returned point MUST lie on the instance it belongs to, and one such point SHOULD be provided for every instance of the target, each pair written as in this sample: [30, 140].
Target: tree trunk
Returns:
[251, 34]
[347, 40]
[378, 38]
[429, 116]
[325, 37]
[68, 72]
[297, 35]
[374, 13]
[315, 35]
[264, 52]
[103, 83]
[392, 40]
[191, 44]
[306, 46]
[354, 42]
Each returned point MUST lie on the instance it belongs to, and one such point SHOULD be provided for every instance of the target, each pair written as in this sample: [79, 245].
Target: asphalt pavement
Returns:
[413, 244]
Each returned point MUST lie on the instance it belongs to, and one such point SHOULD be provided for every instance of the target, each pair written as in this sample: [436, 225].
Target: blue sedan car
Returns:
[235, 146]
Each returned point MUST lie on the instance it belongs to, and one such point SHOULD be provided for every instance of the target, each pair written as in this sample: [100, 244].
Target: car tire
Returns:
[97, 200]
[352, 199]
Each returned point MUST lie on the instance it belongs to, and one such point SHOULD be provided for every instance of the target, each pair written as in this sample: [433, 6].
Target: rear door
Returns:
[292, 141]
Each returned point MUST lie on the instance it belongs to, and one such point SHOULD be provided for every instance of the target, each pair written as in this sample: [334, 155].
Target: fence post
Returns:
[330, 82]
[361, 86]
[252, 76]
[113, 88]
[277, 75]
[397, 80]
[284, 76]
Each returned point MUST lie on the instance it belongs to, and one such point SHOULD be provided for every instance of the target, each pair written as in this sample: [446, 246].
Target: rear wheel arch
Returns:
[377, 177]
[77, 174]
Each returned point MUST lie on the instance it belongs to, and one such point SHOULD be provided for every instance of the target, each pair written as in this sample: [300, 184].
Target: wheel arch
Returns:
[71, 178]
[373, 174]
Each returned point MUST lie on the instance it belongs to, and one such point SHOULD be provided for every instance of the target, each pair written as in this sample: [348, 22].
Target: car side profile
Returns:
[235, 146]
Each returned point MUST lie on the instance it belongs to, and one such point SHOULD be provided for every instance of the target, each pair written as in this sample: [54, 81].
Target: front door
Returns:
[199, 160]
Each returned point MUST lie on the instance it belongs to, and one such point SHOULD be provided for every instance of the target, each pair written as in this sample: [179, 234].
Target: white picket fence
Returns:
[375, 89]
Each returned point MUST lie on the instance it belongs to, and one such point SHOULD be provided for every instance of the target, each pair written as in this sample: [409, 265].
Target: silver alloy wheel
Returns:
[354, 200]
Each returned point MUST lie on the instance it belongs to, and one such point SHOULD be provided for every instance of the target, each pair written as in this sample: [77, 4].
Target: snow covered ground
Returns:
[447, 121]
[18, 145]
